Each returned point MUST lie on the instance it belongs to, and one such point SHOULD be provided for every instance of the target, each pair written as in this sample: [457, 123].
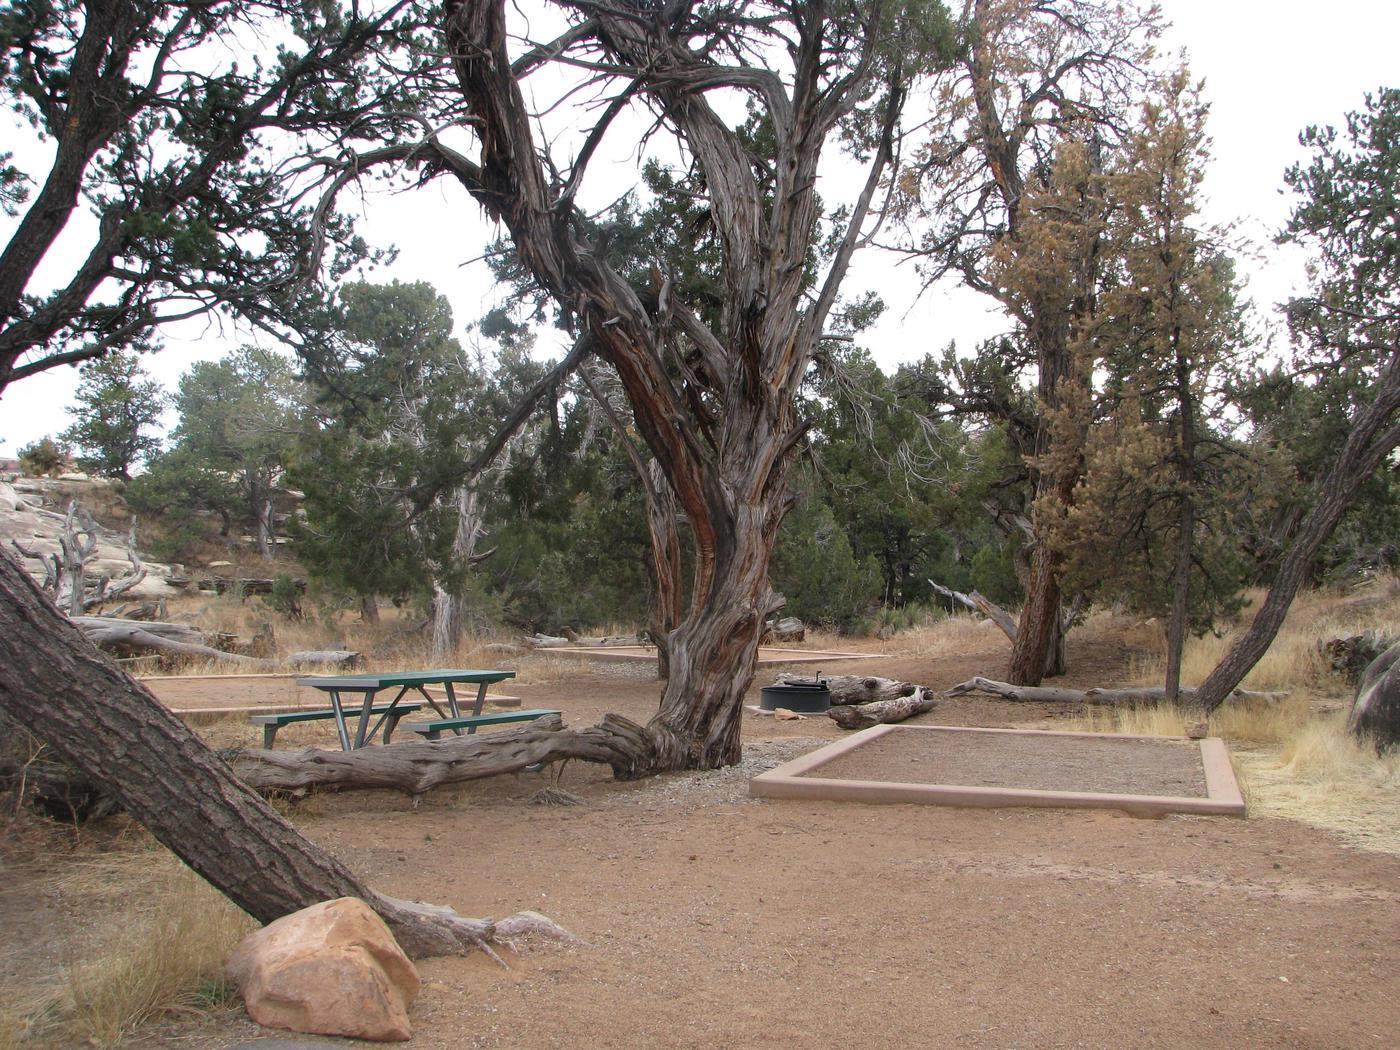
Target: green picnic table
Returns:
[367, 685]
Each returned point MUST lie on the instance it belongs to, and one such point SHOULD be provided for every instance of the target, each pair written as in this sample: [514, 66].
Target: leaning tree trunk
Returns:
[107, 725]
[1372, 438]
[1038, 649]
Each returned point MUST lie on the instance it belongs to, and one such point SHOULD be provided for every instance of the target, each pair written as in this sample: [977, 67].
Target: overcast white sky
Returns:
[1271, 67]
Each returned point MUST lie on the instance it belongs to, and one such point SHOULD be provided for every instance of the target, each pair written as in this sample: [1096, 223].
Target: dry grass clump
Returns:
[1294, 660]
[943, 635]
[1294, 757]
[1292, 761]
[165, 957]
[1324, 777]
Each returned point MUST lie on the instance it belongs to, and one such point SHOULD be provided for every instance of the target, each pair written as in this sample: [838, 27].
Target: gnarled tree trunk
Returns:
[713, 398]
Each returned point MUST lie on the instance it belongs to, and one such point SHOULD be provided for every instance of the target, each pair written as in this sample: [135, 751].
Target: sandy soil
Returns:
[1108, 764]
[714, 920]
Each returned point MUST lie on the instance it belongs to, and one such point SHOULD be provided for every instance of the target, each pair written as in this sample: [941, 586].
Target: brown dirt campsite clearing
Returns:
[715, 920]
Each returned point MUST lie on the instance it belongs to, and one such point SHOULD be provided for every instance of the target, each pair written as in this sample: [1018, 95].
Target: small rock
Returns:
[331, 969]
[1197, 730]
[782, 714]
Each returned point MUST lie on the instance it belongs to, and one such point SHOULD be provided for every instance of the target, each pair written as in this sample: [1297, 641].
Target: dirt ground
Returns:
[715, 920]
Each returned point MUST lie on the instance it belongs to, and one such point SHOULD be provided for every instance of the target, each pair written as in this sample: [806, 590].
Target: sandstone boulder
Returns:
[331, 969]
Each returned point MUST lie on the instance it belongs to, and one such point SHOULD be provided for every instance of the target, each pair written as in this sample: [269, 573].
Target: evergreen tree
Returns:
[237, 419]
[117, 408]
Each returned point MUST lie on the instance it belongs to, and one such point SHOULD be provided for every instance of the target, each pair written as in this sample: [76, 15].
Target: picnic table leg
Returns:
[269, 735]
[476, 707]
[391, 722]
[364, 718]
[339, 719]
[451, 701]
[456, 711]
[384, 719]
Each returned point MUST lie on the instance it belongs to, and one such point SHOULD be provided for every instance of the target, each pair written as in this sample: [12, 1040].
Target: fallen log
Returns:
[175, 632]
[1025, 693]
[1093, 697]
[549, 641]
[1158, 693]
[344, 659]
[134, 636]
[855, 689]
[414, 766]
[881, 712]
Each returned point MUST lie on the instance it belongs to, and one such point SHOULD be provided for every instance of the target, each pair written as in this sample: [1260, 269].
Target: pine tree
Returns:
[117, 410]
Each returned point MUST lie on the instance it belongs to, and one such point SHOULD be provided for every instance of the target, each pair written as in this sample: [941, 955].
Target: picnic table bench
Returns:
[433, 730]
[272, 723]
[367, 685]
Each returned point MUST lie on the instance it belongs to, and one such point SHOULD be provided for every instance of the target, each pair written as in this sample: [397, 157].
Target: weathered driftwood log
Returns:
[416, 766]
[1099, 697]
[863, 716]
[1375, 714]
[979, 603]
[854, 689]
[132, 636]
[549, 641]
[1157, 693]
[787, 629]
[344, 659]
[1027, 693]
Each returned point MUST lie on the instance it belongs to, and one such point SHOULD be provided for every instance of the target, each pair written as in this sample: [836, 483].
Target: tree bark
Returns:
[1186, 518]
[668, 597]
[1038, 649]
[1373, 436]
[53, 682]
[863, 716]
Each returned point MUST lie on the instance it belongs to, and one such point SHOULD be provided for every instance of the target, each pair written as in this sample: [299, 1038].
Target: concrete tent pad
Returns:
[960, 766]
[766, 654]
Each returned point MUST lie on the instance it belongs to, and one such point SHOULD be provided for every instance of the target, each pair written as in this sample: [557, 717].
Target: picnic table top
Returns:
[406, 678]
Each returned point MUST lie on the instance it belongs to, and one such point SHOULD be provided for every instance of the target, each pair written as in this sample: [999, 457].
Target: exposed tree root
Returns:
[425, 930]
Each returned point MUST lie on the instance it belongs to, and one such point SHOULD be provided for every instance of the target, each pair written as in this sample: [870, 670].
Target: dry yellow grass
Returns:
[938, 636]
[1295, 758]
[1294, 660]
[164, 957]
[1325, 778]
